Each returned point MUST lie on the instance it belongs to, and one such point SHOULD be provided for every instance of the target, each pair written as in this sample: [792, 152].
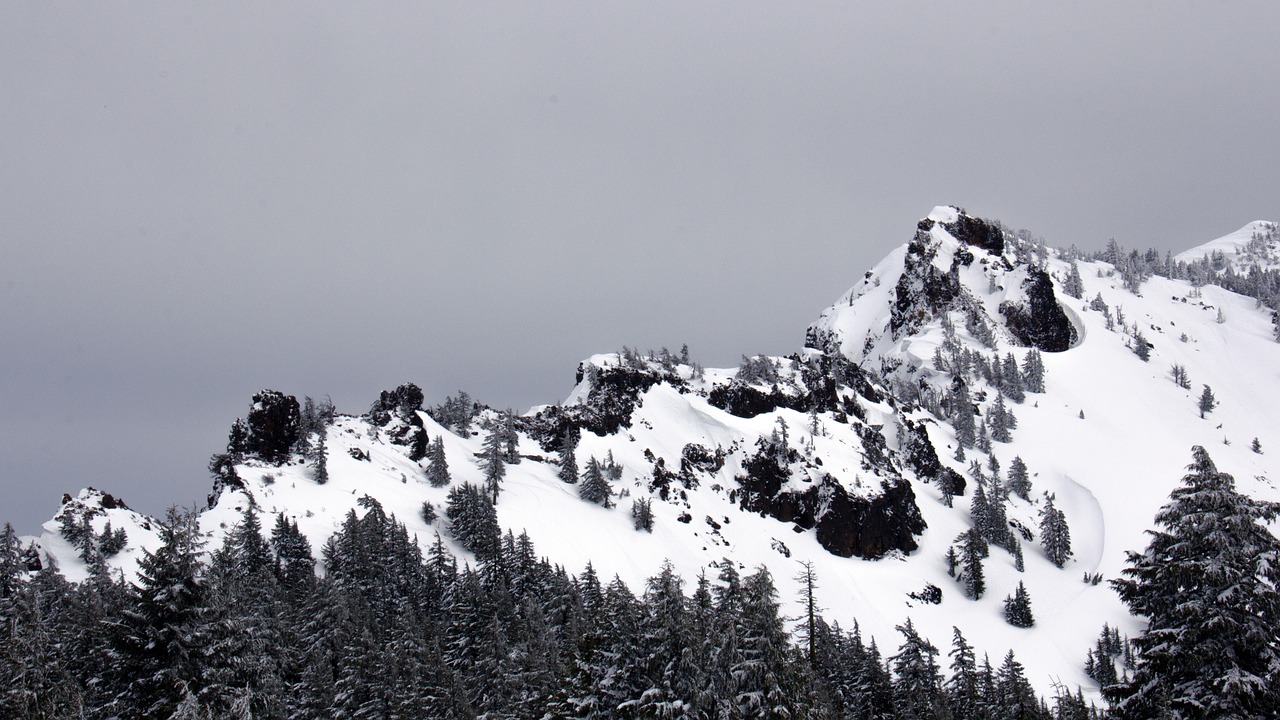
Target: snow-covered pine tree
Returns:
[917, 684]
[1055, 536]
[568, 472]
[642, 514]
[1017, 608]
[493, 463]
[1207, 401]
[1209, 586]
[1033, 371]
[1019, 479]
[594, 487]
[972, 549]
[1073, 285]
[319, 452]
[438, 465]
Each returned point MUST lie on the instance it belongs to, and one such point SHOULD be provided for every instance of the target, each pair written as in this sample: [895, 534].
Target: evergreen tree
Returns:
[917, 684]
[438, 465]
[1207, 401]
[473, 521]
[642, 514]
[972, 550]
[961, 407]
[962, 689]
[1011, 380]
[162, 635]
[568, 464]
[594, 487]
[1256, 446]
[1033, 371]
[769, 681]
[1209, 586]
[493, 464]
[1055, 536]
[1141, 347]
[320, 458]
[1019, 479]
[1001, 421]
[1015, 697]
[1074, 284]
[1017, 608]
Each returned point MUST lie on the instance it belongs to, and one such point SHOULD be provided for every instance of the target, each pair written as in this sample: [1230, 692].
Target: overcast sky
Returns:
[198, 201]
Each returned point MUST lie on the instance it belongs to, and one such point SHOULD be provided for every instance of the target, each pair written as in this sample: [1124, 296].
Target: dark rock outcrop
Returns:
[1040, 322]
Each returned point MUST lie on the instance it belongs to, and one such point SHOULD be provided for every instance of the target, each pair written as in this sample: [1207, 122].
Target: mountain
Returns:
[842, 455]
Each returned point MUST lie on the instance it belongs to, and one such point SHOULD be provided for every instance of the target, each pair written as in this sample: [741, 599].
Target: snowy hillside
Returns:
[844, 455]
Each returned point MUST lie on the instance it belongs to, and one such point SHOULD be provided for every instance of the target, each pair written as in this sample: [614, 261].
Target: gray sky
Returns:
[200, 201]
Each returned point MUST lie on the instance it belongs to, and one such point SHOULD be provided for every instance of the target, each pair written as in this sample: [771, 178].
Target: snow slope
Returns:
[1109, 439]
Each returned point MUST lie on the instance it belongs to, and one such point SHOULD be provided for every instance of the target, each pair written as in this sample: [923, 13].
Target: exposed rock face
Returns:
[1041, 323]
[846, 525]
[978, 233]
[869, 528]
[613, 396]
[396, 412]
[923, 290]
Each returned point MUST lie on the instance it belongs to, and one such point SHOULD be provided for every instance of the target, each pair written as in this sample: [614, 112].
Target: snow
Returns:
[944, 214]
[1109, 472]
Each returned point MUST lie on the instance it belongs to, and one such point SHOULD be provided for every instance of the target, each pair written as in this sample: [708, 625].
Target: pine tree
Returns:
[473, 520]
[642, 514]
[438, 467]
[1141, 347]
[1207, 401]
[162, 636]
[1019, 479]
[962, 689]
[962, 413]
[1209, 586]
[594, 487]
[1017, 608]
[1011, 381]
[493, 464]
[1074, 284]
[917, 684]
[768, 678]
[1256, 446]
[1033, 371]
[1000, 421]
[568, 464]
[320, 458]
[972, 550]
[1055, 536]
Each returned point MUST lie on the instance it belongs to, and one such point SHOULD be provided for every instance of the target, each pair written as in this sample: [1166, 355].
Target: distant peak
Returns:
[945, 214]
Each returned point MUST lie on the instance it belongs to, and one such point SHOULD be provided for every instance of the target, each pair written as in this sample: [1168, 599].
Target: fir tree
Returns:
[320, 459]
[161, 639]
[568, 464]
[1209, 586]
[1019, 479]
[972, 550]
[1207, 401]
[594, 487]
[493, 464]
[1033, 371]
[642, 514]
[438, 467]
[1017, 608]
[1055, 536]
[917, 685]
[1074, 284]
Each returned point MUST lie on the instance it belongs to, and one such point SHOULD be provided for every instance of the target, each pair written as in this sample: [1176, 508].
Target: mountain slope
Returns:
[839, 455]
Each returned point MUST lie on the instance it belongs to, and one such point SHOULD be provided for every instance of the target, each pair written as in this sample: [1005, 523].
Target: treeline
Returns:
[252, 631]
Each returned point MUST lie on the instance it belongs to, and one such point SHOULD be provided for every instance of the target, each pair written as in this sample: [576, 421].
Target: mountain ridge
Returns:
[784, 459]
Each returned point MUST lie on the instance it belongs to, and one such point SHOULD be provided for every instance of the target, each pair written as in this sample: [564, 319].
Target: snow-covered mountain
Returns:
[844, 454]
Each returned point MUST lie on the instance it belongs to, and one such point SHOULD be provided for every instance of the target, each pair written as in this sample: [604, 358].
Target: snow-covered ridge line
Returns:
[851, 454]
